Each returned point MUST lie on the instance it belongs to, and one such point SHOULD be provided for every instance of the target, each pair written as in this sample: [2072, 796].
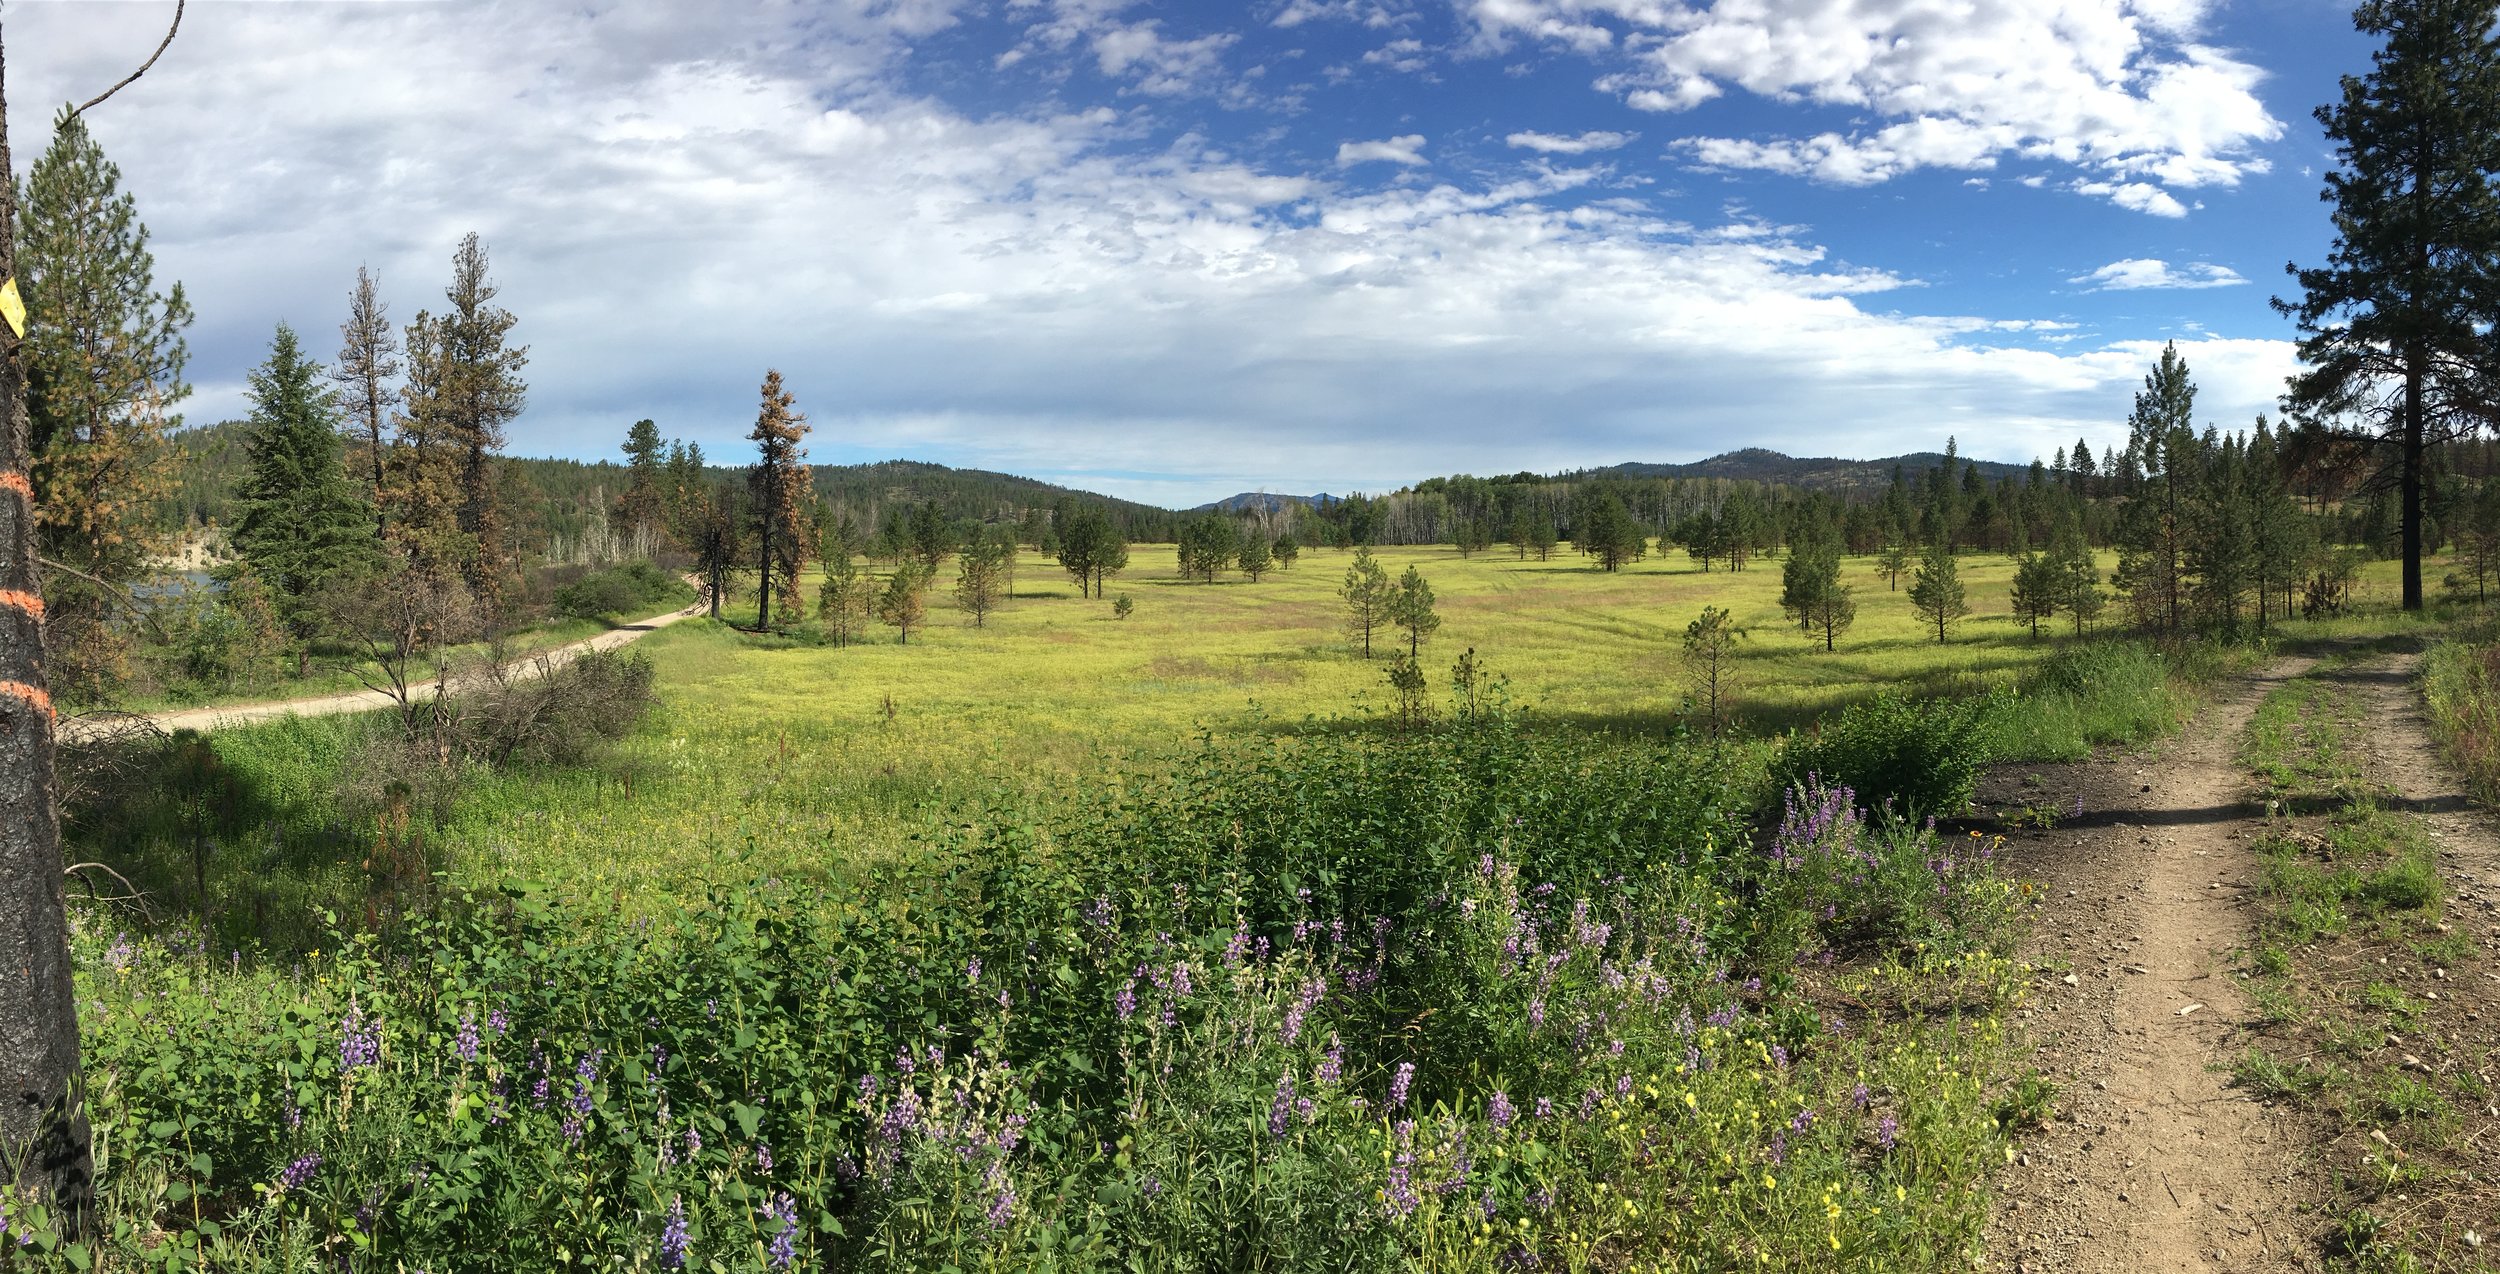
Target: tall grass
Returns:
[1484, 996]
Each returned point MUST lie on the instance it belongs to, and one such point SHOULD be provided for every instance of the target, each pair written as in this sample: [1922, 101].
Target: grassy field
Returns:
[798, 758]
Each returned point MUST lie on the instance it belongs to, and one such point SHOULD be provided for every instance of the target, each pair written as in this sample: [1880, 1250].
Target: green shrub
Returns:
[626, 590]
[1906, 756]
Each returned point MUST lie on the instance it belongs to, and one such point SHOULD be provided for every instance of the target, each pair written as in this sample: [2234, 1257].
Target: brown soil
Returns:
[2154, 1162]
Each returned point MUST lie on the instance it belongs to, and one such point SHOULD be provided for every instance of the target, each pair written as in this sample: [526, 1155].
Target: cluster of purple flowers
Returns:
[360, 1039]
[673, 1235]
[296, 1174]
[1499, 1112]
[782, 1214]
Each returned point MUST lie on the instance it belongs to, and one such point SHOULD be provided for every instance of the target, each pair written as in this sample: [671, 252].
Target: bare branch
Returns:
[127, 80]
[117, 591]
[136, 894]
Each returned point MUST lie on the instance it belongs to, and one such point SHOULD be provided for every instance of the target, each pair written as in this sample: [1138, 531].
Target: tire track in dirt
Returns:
[2155, 1163]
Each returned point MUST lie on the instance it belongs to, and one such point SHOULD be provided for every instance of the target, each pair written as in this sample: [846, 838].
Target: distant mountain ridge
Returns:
[1813, 473]
[1264, 501]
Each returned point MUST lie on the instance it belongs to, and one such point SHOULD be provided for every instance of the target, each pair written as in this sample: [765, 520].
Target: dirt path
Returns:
[2155, 1163]
[214, 718]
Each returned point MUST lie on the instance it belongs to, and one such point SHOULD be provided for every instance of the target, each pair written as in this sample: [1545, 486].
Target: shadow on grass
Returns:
[236, 837]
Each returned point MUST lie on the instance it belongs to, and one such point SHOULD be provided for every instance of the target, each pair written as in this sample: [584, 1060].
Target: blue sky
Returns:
[1174, 251]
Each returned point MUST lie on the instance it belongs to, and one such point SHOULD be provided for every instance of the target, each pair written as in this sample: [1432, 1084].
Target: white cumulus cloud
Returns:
[2123, 91]
[1408, 149]
[2136, 273]
[1557, 144]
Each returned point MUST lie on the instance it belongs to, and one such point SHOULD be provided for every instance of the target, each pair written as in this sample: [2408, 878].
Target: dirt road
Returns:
[205, 719]
[2155, 1162]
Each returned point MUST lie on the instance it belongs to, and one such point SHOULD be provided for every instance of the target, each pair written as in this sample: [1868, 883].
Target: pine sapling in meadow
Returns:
[1366, 593]
[1937, 592]
[1410, 608]
[1710, 643]
[900, 606]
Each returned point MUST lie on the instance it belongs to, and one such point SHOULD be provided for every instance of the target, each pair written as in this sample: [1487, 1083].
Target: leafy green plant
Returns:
[1911, 757]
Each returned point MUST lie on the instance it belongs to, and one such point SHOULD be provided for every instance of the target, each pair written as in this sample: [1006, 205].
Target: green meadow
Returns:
[771, 755]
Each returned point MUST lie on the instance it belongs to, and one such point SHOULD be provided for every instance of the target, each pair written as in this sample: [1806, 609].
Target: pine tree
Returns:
[641, 509]
[103, 358]
[1257, 556]
[2035, 591]
[780, 485]
[367, 367]
[1410, 608]
[1366, 592]
[1811, 591]
[842, 605]
[709, 523]
[981, 579]
[2395, 326]
[2074, 579]
[900, 606]
[2220, 552]
[1936, 590]
[1710, 657]
[304, 522]
[1893, 562]
[1287, 551]
[464, 386]
[2152, 568]
[1207, 547]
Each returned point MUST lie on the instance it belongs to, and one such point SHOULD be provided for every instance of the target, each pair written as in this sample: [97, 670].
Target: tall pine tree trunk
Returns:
[43, 1126]
[2412, 480]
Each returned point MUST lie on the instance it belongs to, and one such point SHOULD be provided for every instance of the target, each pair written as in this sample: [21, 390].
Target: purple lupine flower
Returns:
[360, 1039]
[499, 1022]
[1536, 1011]
[1003, 1208]
[972, 971]
[1887, 1131]
[294, 1175]
[1859, 1097]
[1499, 1111]
[673, 1235]
[1399, 1083]
[1124, 1002]
[585, 1074]
[1279, 1112]
[694, 1143]
[764, 1158]
[465, 1044]
[1623, 1084]
[1150, 1187]
[1237, 946]
[572, 1130]
[1802, 1120]
[1399, 1194]
[1779, 1146]
[1779, 1057]
[1545, 1108]
[1332, 1062]
[1485, 1204]
[121, 955]
[783, 1215]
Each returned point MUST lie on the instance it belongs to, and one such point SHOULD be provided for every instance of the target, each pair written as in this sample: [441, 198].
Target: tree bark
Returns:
[43, 1123]
[2411, 481]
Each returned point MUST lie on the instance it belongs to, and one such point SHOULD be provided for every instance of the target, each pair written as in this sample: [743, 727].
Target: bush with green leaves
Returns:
[628, 590]
[1909, 757]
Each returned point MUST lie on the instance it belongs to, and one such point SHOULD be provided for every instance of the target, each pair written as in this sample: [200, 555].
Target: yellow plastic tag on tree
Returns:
[13, 307]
